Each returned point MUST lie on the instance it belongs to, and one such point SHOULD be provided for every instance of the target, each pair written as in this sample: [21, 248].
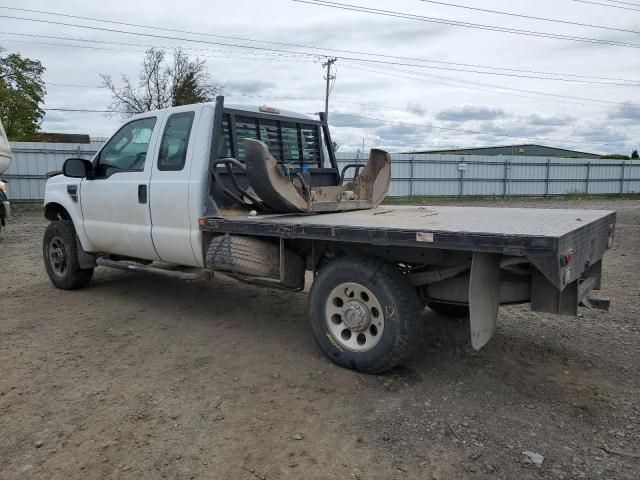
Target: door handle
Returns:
[142, 194]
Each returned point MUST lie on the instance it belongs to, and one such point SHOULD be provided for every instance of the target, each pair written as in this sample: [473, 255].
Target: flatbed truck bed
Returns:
[542, 235]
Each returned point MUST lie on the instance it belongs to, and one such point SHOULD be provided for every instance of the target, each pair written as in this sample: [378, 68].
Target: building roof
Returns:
[63, 137]
[528, 149]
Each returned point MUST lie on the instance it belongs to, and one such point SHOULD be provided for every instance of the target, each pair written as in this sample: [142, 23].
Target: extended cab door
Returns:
[115, 204]
[170, 184]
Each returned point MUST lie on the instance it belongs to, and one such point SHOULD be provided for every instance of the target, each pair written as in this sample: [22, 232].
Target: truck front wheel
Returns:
[60, 255]
[364, 313]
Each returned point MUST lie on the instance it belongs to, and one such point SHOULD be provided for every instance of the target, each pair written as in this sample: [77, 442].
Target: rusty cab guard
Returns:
[283, 194]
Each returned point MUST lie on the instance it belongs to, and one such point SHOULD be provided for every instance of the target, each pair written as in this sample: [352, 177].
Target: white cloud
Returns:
[271, 74]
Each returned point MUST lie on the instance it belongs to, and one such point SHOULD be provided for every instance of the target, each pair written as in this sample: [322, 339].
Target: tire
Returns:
[450, 310]
[386, 290]
[255, 258]
[60, 255]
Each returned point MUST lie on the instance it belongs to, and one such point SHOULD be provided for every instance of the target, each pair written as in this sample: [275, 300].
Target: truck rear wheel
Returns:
[363, 314]
[60, 254]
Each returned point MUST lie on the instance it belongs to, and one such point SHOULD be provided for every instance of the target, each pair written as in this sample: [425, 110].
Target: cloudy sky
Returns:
[402, 83]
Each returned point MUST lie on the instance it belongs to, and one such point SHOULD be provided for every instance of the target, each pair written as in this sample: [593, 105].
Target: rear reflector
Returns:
[566, 259]
[612, 232]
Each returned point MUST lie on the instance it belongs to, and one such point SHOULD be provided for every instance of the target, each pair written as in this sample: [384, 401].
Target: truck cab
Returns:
[143, 193]
[5, 161]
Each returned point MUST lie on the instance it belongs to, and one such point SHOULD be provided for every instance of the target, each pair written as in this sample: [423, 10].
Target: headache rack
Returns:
[278, 164]
[296, 143]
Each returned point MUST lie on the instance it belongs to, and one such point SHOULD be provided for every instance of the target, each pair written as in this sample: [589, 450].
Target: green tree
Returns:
[634, 155]
[22, 92]
[161, 84]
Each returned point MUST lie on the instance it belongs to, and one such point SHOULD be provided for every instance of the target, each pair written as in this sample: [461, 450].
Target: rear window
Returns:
[296, 144]
[175, 140]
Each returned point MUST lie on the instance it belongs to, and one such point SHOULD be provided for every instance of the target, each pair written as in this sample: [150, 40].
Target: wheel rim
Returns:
[354, 317]
[58, 255]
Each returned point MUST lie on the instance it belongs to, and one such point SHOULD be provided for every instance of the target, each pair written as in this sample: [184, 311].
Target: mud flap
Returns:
[484, 291]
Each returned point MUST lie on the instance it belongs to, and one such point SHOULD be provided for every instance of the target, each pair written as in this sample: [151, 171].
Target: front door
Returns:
[115, 204]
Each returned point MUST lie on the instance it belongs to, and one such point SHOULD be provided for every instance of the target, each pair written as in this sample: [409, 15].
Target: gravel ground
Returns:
[144, 377]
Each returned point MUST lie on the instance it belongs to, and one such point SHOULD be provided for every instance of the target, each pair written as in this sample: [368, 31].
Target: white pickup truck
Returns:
[256, 193]
[5, 161]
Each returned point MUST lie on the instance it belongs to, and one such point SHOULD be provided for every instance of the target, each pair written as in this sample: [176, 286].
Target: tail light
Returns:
[612, 232]
[567, 259]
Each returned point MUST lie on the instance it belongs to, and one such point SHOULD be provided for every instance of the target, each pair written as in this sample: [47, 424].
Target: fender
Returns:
[60, 196]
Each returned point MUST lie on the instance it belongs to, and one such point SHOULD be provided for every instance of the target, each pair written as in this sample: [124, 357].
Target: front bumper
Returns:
[6, 210]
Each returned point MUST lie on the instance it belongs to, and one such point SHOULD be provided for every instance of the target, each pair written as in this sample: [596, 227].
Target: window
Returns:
[127, 149]
[225, 144]
[290, 142]
[310, 144]
[246, 127]
[173, 148]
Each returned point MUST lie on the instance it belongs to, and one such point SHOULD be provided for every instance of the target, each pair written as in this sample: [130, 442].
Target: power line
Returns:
[379, 106]
[610, 5]
[255, 51]
[251, 47]
[440, 62]
[623, 3]
[449, 84]
[349, 102]
[531, 17]
[459, 86]
[473, 132]
[302, 55]
[227, 56]
[456, 23]
[467, 82]
[392, 122]
[81, 110]
[72, 85]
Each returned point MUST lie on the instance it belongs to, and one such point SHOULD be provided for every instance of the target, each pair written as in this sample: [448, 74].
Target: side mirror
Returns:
[77, 168]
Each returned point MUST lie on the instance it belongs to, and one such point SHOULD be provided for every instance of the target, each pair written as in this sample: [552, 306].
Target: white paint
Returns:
[5, 151]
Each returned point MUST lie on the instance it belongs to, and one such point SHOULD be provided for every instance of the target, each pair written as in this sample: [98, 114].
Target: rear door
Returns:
[115, 204]
[170, 212]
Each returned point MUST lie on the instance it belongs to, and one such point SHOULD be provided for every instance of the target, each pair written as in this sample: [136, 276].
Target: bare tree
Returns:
[161, 85]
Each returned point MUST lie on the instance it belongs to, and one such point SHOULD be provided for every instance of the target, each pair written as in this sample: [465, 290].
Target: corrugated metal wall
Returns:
[478, 175]
[429, 175]
[33, 160]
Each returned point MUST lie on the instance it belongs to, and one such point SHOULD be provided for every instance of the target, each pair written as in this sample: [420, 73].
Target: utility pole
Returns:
[328, 78]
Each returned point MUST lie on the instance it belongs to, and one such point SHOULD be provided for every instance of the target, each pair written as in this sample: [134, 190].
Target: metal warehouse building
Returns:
[529, 150]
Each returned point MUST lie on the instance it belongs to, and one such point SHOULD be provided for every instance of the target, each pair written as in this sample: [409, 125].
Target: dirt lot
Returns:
[145, 377]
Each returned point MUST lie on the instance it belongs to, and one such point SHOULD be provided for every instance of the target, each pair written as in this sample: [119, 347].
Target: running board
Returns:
[200, 275]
